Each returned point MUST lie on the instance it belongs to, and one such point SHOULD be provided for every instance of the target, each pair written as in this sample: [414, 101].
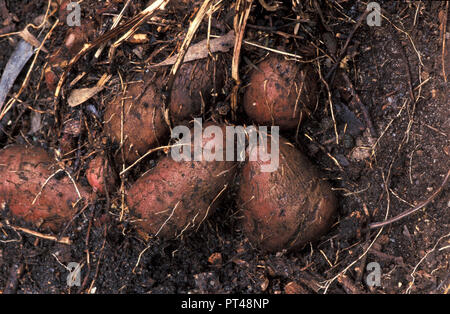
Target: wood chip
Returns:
[215, 259]
[294, 288]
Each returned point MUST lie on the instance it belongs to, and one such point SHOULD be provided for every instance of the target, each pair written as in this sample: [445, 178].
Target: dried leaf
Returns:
[15, 64]
[200, 49]
[29, 38]
[79, 96]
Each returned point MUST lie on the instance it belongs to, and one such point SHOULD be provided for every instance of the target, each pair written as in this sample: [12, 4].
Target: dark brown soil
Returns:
[376, 173]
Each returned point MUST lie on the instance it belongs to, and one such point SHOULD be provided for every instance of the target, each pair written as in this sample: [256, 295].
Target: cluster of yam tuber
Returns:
[282, 209]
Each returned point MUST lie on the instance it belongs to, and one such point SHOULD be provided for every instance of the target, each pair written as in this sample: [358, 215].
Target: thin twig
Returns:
[443, 41]
[408, 290]
[43, 186]
[327, 283]
[330, 75]
[270, 8]
[63, 240]
[146, 154]
[240, 23]
[168, 218]
[361, 105]
[27, 76]
[412, 210]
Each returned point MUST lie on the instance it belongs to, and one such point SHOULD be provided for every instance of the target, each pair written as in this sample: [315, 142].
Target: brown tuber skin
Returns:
[24, 172]
[100, 175]
[175, 197]
[144, 125]
[193, 86]
[280, 93]
[143, 119]
[287, 208]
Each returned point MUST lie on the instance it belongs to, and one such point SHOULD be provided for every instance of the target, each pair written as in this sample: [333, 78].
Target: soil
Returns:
[397, 161]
